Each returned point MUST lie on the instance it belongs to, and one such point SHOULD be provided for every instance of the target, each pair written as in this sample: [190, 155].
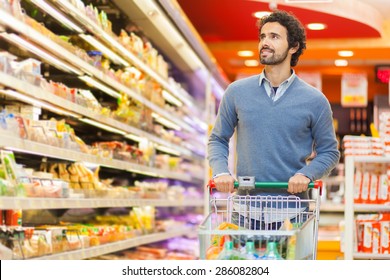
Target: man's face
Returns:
[273, 45]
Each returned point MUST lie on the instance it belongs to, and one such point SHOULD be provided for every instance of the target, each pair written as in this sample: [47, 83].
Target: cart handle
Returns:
[272, 185]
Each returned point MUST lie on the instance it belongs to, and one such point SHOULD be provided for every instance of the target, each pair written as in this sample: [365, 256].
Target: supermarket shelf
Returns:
[371, 208]
[30, 147]
[371, 159]
[61, 53]
[331, 207]
[39, 93]
[71, 10]
[366, 256]
[29, 203]
[361, 208]
[116, 246]
[351, 209]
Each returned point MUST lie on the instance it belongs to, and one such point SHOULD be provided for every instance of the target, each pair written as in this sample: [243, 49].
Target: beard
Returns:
[275, 59]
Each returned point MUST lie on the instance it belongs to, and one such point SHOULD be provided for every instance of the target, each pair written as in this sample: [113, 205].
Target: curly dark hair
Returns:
[296, 33]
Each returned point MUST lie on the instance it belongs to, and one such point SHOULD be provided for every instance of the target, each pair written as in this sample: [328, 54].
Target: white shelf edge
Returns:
[30, 203]
[370, 159]
[331, 207]
[371, 256]
[39, 93]
[56, 152]
[371, 208]
[116, 246]
[8, 20]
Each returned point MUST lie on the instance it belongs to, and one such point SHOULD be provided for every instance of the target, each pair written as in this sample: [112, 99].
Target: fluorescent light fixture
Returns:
[165, 122]
[57, 15]
[245, 53]
[39, 103]
[90, 165]
[194, 121]
[39, 52]
[152, 174]
[100, 86]
[137, 73]
[316, 26]
[168, 150]
[103, 126]
[106, 51]
[261, 14]
[201, 124]
[170, 98]
[341, 62]
[345, 53]
[134, 137]
[251, 63]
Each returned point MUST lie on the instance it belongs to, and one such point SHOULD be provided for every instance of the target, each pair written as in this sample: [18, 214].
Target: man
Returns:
[280, 120]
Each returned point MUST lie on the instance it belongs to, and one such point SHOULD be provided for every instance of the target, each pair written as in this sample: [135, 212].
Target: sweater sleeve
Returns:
[325, 145]
[218, 144]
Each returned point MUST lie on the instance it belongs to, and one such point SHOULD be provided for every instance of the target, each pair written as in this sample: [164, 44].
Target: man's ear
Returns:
[294, 49]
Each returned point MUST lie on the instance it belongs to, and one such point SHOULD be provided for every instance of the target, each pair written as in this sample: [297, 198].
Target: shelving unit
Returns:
[351, 208]
[73, 203]
[14, 31]
[116, 246]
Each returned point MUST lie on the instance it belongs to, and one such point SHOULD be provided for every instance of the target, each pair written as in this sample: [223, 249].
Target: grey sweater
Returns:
[274, 139]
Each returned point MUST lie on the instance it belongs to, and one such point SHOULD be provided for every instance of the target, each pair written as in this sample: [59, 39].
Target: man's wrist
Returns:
[221, 174]
[302, 175]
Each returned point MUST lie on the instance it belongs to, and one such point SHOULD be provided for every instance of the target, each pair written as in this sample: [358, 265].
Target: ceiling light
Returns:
[57, 15]
[245, 53]
[341, 62]
[106, 51]
[100, 86]
[345, 53]
[251, 63]
[316, 26]
[261, 14]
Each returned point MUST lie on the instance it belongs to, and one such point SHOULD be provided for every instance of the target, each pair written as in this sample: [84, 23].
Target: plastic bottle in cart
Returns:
[271, 252]
[250, 251]
[229, 253]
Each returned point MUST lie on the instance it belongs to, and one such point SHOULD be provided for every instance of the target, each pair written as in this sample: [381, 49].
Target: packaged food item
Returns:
[13, 217]
[96, 58]
[213, 252]
[385, 237]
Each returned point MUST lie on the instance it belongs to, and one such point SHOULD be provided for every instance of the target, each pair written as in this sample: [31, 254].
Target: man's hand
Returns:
[298, 183]
[224, 183]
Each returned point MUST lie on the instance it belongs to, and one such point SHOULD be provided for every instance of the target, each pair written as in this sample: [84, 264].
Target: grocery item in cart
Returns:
[229, 252]
[296, 239]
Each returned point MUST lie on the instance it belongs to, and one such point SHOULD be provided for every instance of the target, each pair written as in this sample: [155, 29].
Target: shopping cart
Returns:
[288, 221]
